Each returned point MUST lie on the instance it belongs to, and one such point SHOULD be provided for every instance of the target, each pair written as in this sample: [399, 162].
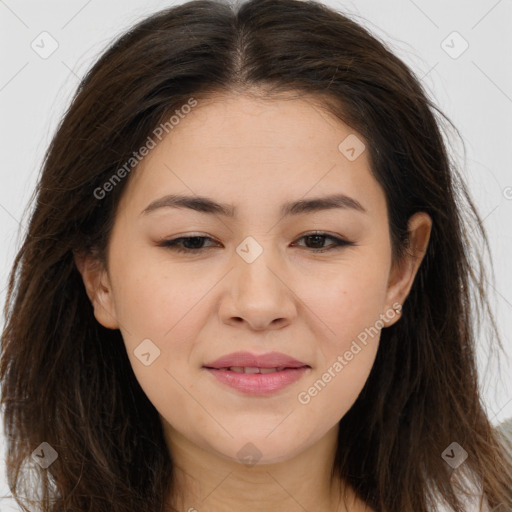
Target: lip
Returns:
[257, 383]
[246, 359]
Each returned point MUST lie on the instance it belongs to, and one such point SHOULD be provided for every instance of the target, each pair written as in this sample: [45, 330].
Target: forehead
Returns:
[241, 147]
[239, 123]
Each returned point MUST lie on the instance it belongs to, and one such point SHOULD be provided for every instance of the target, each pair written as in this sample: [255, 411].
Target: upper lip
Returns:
[248, 360]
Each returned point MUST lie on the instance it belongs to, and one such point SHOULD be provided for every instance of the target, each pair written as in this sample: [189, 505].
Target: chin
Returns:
[260, 450]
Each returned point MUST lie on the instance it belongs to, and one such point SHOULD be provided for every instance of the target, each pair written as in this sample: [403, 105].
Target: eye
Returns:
[195, 244]
[190, 244]
[318, 237]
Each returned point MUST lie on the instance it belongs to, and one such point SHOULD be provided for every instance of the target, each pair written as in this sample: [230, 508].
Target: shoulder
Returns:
[472, 504]
[505, 429]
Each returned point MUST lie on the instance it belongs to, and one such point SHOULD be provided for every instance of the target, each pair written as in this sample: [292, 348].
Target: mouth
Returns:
[257, 375]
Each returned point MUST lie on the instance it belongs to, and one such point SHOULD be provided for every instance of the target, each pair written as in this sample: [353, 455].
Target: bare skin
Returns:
[254, 155]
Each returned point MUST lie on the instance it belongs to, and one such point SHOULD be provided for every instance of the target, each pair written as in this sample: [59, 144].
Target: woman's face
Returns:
[256, 283]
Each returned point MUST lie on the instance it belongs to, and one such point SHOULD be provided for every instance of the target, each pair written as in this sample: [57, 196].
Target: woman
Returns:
[179, 334]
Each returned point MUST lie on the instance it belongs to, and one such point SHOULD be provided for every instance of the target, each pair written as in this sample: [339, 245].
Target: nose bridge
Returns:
[256, 266]
[258, 294]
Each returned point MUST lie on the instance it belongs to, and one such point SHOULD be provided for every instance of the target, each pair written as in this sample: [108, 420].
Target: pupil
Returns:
[191, 240]
[317, 239]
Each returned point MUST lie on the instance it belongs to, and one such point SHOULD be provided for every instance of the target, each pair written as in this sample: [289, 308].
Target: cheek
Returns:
[350, 312]
[334, 388]
[154, 299]
[151, 304]
[346, 302]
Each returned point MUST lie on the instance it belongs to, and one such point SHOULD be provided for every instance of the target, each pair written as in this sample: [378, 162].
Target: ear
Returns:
[404, 271]
[98, 288]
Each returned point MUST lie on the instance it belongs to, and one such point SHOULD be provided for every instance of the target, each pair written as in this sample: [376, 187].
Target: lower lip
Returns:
[259, 383]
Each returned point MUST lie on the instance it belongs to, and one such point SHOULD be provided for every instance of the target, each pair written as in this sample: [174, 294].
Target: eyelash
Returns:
[173, 244]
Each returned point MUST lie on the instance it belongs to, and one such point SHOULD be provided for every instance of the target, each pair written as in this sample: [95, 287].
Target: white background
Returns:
[474, 90]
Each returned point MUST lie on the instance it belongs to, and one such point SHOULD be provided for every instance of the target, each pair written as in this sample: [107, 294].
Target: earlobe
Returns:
[404, 272]
[98, 288]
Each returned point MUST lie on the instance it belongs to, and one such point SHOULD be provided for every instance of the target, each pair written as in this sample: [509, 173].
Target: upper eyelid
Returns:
[307, 233]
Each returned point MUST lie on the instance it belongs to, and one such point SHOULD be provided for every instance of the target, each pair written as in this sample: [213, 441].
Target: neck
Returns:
[207, 482]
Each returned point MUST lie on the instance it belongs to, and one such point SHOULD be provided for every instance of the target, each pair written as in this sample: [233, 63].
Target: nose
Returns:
[259, 295]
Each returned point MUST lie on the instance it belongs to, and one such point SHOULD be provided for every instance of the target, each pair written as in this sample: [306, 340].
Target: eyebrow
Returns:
[207, 205]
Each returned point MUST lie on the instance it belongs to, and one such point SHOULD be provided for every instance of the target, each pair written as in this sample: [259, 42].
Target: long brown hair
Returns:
[67, 381]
